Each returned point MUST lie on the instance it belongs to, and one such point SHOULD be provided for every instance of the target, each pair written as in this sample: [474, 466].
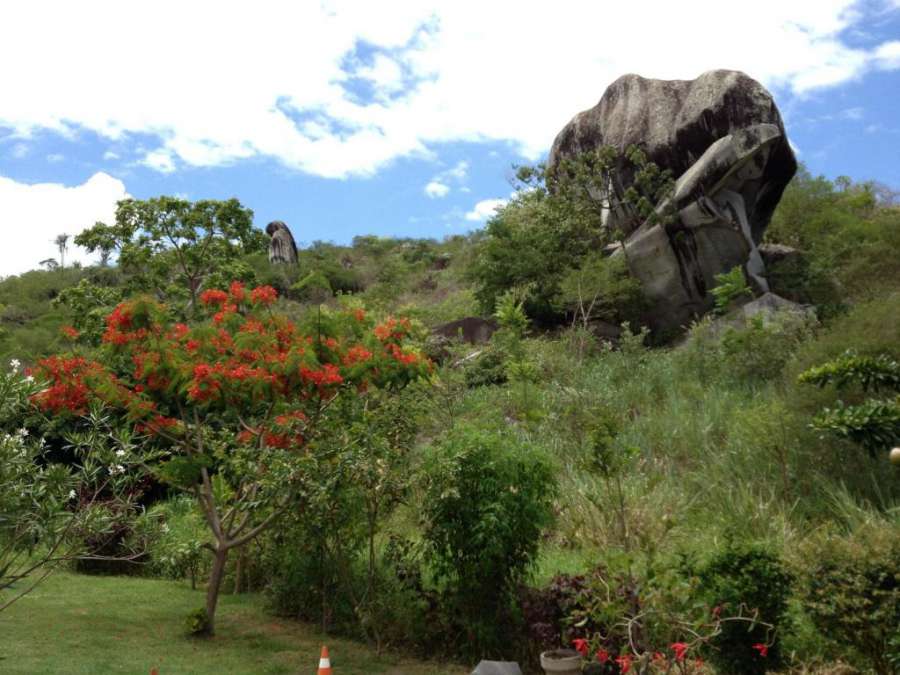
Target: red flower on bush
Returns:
[624, 663]
[70, 332]
[581, 646]
[763, 649]
[602, 655]
[214, 296]
[236, 290]
[67, 388]
[356, 354]
[263, 295]
[680, 649]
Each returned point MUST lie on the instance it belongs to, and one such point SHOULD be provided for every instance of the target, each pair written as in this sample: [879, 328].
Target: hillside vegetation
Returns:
[635, 492]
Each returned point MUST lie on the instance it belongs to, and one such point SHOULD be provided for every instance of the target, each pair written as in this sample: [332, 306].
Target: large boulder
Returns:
[723, 139]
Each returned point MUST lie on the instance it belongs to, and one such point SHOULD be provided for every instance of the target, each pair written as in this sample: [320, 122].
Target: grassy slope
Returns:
[80, 624]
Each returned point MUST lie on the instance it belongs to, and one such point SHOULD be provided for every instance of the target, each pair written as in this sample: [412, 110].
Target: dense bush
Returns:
[748, 581]
[488, 498]
[850, 587]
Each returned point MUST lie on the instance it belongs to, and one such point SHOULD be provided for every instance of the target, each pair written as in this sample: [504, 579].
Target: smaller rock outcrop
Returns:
[471, 329]
[282, 249]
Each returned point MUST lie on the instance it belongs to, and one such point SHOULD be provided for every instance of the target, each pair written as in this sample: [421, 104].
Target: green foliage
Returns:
[487, 500]
[601, 288]
[730, 286]
[553, 223]
[747, 580]
[845, 235]
[488, 368]
[173, 246]
[174, 533]
[759, 350]
[87, 305]
[197, 622]
[34, 494]
[873, 424]
[877, 373]
[314, 287]
[850, 587]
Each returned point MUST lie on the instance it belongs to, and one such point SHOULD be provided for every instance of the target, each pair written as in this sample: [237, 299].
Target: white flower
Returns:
[165, 527]
[29, 379]
[116, 469]
[23, 432]
[72, 494]
[15, 364]
[120, 453]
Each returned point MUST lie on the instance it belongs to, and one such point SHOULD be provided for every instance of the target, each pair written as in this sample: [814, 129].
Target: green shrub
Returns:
[487, 500]
[488, 368]
[314, 287]
[197, 622]
[730, 286]
[850, 587]
[174, 533]
[873, 424]
[760, 350]
[745, 580]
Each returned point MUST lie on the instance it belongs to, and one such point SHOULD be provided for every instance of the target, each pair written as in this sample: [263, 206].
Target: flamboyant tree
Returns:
[237, 403]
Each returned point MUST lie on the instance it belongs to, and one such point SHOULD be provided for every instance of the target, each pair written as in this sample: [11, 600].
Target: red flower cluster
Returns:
[328, 375]
[118, 325]
[236, 291]
[356, 354]
[214, 296]
[680, 649]
[263, 295]
[70, 332]
[392, 329]
[763, 649]
[67, 389]
[254, 364]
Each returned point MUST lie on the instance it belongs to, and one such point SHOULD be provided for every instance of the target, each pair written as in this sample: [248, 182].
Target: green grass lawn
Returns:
[81, 624]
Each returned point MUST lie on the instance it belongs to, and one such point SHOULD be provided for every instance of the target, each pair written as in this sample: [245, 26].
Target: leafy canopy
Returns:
[174, 247]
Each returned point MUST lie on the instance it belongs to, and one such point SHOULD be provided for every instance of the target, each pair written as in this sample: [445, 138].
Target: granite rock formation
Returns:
[723, 139]
[282, 249]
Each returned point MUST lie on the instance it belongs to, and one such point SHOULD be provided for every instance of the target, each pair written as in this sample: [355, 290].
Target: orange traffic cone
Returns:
[324, 662]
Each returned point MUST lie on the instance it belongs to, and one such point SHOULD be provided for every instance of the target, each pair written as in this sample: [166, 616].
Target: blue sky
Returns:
[404, 118]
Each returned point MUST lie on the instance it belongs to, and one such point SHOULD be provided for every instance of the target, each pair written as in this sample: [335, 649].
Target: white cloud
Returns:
[55, 158]
[19, 151]
[110, 155]
[161, 160]
[485, 209]
[852, 113]
[33, 215]
[436, 189]
[459, 171]
[887, 56]
[275, 79]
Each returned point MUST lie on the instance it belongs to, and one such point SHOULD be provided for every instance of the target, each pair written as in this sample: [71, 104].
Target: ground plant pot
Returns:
[561, 662]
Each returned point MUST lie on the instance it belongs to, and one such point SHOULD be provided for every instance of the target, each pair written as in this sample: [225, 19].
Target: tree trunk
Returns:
[215, 584]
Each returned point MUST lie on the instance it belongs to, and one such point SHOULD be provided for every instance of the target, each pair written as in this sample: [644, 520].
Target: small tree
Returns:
[236, 402]
[174, 247]
[589, 203]
[48, 511]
